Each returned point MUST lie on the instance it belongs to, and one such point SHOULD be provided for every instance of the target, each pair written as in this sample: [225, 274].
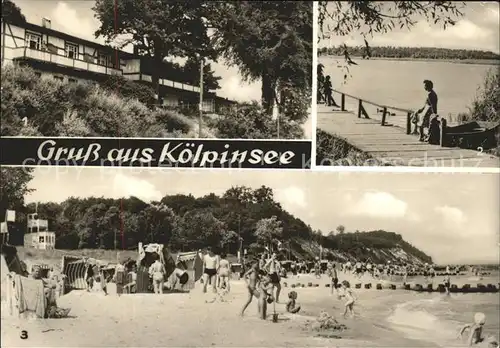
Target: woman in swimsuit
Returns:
[210, 265]
[224, 273]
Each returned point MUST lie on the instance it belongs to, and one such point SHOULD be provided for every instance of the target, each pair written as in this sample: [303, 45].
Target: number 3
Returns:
[24, 334]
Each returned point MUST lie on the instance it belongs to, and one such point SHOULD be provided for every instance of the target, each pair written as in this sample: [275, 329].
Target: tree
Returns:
[11, 12]
[269, 231]
[370, 17]
[267, 40]
[14, 187]
[157, 29]
[191, 71]
[340, 229]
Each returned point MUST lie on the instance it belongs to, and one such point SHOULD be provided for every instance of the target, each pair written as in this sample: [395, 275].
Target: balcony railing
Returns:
[164, 82]
[38, 223]
[45, 56]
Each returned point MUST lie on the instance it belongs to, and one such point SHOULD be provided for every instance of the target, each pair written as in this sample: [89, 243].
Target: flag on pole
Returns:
[10, 216]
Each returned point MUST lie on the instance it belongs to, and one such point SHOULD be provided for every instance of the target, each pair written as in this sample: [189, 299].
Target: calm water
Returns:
[400, 83]
[397, 318]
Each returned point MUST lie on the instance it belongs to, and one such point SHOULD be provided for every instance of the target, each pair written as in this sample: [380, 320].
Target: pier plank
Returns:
[391, 144]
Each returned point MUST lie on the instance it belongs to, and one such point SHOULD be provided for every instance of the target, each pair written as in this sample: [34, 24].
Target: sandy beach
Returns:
[192, 320]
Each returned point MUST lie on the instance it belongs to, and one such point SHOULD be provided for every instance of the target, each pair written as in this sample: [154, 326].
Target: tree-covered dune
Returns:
[242, 216]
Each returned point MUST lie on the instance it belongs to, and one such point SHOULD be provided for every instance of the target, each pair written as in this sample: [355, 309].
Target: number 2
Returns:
[24, 334]
[480, 150]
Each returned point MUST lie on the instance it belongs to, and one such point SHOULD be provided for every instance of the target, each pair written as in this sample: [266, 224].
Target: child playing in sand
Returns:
[350, 297]
[475, 330]
[252, 279]
[292, 305]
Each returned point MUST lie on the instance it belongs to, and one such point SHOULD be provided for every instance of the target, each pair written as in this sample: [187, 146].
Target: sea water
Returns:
[396, 318]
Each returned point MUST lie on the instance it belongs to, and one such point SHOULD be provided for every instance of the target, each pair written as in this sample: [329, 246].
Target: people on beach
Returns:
[475, 330]
[351, 298]
[224, 273]
[157, 272]
[292, 306]
[334, 278]
[317, 268]
[89, 277]
[251, 277]
[273, 270]
[265, 295]
[210, 266]
[447, 283]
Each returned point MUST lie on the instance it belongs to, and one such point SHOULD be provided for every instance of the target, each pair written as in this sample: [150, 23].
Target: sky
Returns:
[477, 29]
[76, 17]
[453, 217]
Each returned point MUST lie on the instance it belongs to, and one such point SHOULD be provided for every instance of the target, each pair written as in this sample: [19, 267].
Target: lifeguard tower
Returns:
[38, 235]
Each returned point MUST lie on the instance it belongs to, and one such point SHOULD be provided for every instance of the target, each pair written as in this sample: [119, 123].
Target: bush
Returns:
[331, 150]
[252, 122]
[54, 108]
[486, 106]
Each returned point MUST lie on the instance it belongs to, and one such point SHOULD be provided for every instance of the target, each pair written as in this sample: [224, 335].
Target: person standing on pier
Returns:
[328, 89]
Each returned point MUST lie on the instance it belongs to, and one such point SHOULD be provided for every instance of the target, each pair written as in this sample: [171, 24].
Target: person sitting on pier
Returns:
[430, 107]
[328, 90]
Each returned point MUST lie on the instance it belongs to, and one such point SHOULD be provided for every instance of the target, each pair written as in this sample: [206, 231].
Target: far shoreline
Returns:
[454, 61]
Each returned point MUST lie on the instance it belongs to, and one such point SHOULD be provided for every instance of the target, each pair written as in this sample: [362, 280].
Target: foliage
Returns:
[269, 232]
[267, 40]
[367, 18]
[411, 52]
[334, 151]
[185, 222]
[129, 89]
[11, 12]
[157, 29]
[191, 74]
[486, 106]
[54, 108]
[251, 121]
[14, 186]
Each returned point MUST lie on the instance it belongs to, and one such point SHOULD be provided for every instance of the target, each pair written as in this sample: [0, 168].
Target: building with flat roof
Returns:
[72, 59]
[38, 235]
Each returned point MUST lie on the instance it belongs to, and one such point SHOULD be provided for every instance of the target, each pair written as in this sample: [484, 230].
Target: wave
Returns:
[426, 320]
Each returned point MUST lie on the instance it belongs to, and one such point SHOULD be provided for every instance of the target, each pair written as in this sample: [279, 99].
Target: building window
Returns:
[71, 50]
[33, 41]
[102, 59]
[60, 78]
[72, 80]
[40, 239]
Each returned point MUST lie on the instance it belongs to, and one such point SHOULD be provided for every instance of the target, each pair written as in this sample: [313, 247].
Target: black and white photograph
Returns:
[188, 258]
[157, 69]
[408, 83]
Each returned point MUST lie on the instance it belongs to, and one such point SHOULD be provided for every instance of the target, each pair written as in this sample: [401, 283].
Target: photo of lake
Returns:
[399, 83]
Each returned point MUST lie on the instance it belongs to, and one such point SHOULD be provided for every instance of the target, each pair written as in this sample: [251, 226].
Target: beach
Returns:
[383, 318]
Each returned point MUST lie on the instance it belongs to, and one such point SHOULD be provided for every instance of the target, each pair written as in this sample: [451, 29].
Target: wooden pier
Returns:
[391, 144]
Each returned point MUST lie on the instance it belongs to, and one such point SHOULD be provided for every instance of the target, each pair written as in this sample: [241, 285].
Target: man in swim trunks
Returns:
[273, 269]
[210, 266]
[335, 279]
[252, 279]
